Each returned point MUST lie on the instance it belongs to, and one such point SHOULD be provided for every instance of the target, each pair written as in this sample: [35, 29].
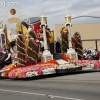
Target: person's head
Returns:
[6, 50]
[96, 50]
[3, 49]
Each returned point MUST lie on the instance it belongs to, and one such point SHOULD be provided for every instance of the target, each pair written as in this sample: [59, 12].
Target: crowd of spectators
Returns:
[91, 54]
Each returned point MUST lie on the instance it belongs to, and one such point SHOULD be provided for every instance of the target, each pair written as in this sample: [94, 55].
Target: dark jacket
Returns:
[3, 56]
[58, 47]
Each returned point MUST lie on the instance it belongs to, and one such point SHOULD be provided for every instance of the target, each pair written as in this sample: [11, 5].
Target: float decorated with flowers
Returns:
[27, 58]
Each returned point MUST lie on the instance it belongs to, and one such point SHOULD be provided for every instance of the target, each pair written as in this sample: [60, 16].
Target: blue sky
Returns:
[55, 10]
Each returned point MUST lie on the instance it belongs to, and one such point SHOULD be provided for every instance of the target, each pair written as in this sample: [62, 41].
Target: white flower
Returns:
[90, 65]
[48, 71]
[31, 74]
[2, 74]
[63, 66]
[29, 29]
[1, 71]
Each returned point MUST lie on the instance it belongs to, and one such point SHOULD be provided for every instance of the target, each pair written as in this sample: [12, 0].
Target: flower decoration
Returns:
[64, 36]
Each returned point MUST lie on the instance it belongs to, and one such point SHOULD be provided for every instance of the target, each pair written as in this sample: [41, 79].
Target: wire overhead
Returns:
[85, 16]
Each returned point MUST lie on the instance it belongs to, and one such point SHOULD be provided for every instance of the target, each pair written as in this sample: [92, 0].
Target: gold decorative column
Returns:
[46, 56]
[70, 52]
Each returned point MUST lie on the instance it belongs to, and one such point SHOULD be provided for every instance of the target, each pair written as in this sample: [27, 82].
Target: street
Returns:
[83, 85]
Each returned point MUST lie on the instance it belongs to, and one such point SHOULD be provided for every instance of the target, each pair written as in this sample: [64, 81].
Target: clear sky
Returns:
[55, 10]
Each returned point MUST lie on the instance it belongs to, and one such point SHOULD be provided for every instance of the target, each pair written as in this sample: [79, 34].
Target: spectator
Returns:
[51, 42]
[96, 54]
[58, 46]
[52, 48]
[41, 46]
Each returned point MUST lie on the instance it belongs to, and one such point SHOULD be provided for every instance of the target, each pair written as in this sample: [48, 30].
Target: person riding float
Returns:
[5, 58]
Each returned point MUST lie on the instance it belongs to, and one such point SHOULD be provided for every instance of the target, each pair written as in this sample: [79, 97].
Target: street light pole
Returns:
[46, 56]
[43, 20]
[44, 25]
[70, 52]
[68, 25]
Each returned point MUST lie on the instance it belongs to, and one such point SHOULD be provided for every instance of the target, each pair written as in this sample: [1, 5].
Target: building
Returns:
[90, 34]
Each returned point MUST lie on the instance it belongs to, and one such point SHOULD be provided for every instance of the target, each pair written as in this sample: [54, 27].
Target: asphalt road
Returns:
[74, 86]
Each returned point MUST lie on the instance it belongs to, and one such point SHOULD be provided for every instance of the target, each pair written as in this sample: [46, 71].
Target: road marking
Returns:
[72, 80]
[49, 96]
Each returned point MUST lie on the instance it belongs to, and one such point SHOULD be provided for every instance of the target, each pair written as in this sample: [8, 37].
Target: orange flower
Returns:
[7, 72]
[49, 62]
[64, 57]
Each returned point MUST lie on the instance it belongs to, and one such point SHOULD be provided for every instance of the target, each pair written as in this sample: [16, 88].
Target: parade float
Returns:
[28, 63]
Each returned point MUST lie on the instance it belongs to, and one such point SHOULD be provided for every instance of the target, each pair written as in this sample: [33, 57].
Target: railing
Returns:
[95, 40]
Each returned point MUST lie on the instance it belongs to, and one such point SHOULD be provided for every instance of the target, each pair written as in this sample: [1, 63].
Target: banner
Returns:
[36, 27]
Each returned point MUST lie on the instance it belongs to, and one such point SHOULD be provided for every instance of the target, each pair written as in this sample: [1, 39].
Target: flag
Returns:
[36, 27]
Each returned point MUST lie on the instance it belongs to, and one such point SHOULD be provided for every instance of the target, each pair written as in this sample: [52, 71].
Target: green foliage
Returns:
[31, 62]
[21, 48]
[33, 47]
[32, 34]
[21, 57]
[33, 53]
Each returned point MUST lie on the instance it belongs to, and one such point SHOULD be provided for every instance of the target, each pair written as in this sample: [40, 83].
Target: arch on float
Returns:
[11, 16]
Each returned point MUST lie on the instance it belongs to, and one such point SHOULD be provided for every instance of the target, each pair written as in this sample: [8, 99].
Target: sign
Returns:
[13, 20]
